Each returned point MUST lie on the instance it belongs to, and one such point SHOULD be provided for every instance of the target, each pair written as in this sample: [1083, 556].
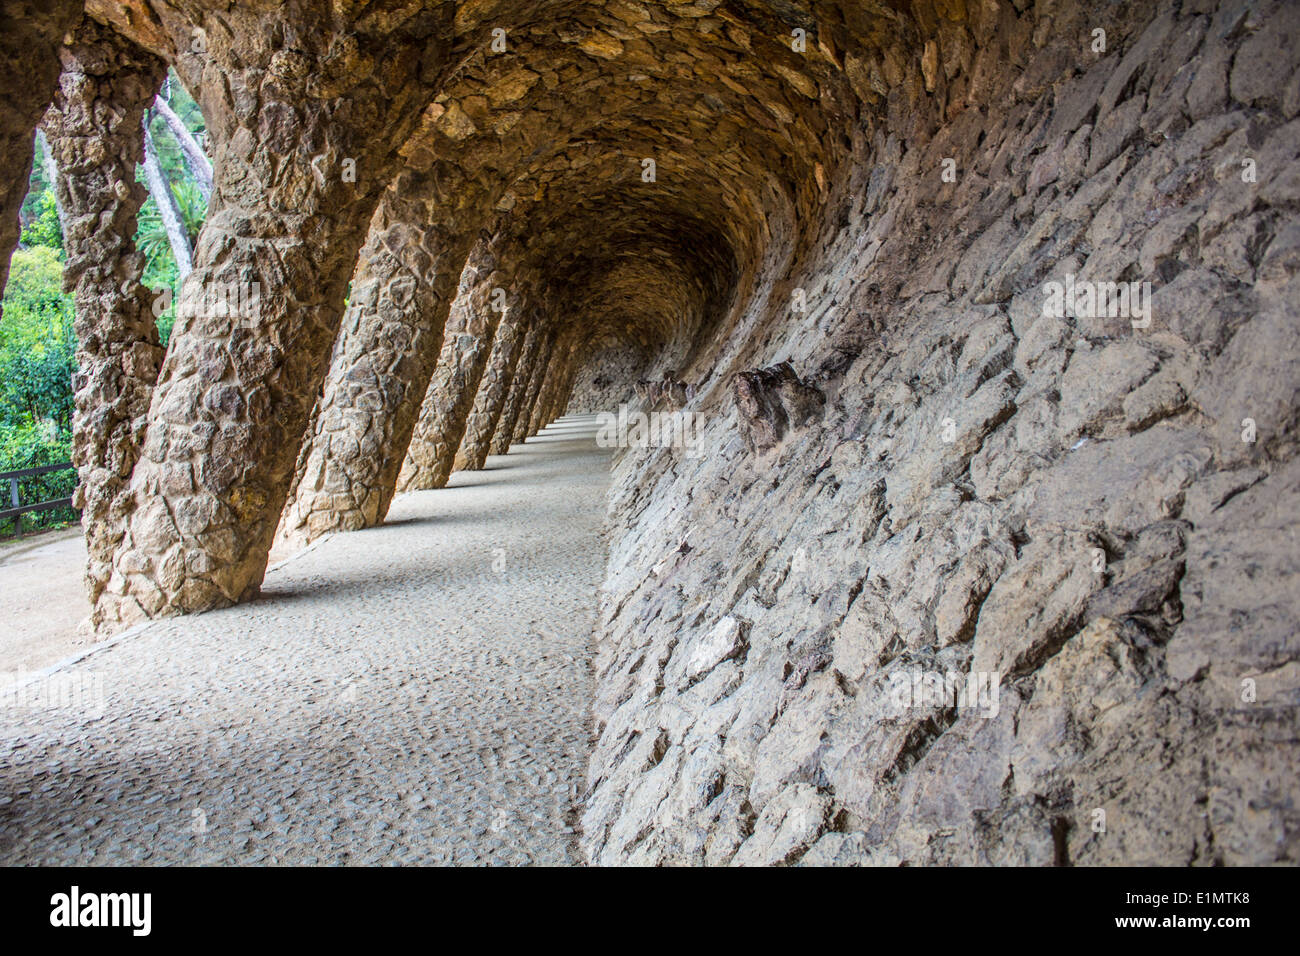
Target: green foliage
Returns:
[37, 361]
[151, 234]
[36, 187]
[36, 282]
[37, 341]
[160, 272]
[44, 228]
[29, 446]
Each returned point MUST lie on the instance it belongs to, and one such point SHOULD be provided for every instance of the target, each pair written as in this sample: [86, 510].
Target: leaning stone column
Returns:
[466, 347]
[30, 37]
[524, 368]
[94, 131]
[535, 414]
[562, 394]
[540, 370]
[560, 397]
[261, 310]
[380, 371]
[557, 369]
[492, 394]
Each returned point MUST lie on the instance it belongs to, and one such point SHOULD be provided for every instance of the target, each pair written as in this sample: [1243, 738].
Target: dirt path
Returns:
[412, 693]
[42, 600]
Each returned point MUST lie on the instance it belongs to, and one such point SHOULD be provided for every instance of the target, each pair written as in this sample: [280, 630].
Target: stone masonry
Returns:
[956, 521]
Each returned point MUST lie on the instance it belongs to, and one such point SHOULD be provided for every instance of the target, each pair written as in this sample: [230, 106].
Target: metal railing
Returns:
[16, 508]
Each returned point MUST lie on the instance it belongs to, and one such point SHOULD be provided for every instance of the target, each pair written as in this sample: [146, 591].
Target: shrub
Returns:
[37, 361]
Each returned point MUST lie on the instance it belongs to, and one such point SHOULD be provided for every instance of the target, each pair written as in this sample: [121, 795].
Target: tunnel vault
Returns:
[820, 224]
[587, 170]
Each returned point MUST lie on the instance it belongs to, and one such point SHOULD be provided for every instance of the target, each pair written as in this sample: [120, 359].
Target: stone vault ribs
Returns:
[824, 230]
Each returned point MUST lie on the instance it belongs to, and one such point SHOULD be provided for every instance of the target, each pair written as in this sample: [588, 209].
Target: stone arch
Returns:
[288, 100]
[748, 133]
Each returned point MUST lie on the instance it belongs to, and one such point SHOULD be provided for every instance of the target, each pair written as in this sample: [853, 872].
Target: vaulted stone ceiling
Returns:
[635, 173]
[634, 168]
[838, 263]
[745, 133]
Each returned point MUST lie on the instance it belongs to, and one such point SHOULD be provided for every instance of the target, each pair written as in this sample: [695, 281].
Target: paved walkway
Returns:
[43, 599]
[414, 693]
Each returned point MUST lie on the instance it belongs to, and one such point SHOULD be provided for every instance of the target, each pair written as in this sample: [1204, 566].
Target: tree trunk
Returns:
[195, 159]
[51, 169]
[168, 208]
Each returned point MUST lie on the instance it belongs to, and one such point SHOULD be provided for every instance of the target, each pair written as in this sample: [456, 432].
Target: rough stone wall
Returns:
[1100, 513]
[30, 35]
[385, 355]
[314, 110]
[606, 380]
[503, 437]
[559, 399]
[94, 130]
[557, 370]
[530, 393]
[836, 258]
[475, 137]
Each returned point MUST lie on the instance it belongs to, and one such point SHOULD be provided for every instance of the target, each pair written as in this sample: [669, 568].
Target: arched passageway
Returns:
[980, 314]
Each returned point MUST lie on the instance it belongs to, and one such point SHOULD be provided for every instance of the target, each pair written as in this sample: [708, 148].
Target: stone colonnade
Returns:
[425, 233]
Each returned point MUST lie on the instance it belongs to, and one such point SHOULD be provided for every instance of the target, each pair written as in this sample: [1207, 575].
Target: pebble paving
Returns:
[416, 693]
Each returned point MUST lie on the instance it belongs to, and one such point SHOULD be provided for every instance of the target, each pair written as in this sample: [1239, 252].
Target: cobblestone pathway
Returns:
[414, 693]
